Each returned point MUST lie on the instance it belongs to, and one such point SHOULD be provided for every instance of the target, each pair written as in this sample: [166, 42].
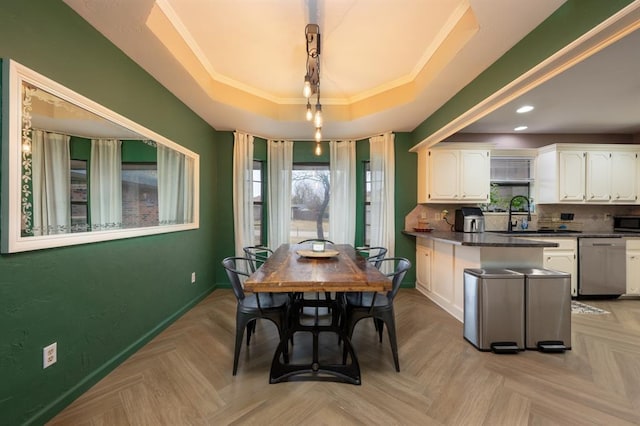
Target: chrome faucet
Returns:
[510, 224]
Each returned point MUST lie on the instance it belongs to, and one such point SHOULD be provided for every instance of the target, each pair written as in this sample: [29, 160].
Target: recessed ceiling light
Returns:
[524, 108]
[520, 128]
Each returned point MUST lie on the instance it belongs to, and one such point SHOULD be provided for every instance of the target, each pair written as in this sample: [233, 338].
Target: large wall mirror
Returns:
[75, 172]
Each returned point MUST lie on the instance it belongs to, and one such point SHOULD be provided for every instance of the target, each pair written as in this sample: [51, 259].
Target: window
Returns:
[139, 195]
[310, 190]
[367, 203]
[79, 196]
[258, 202]
[510, 176]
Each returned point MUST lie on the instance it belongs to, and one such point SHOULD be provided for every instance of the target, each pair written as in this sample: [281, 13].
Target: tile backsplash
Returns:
[587, 218]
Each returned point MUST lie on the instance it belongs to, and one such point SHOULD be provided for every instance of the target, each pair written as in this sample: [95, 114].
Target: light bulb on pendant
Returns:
[317, 118]
[309, 112]
[318, 134]
[318, 150]
[306, 90]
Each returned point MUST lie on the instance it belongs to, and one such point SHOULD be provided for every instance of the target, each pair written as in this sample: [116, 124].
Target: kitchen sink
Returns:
[537, 231]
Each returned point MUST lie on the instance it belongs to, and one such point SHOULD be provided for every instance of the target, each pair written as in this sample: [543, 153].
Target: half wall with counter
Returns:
[442, 257]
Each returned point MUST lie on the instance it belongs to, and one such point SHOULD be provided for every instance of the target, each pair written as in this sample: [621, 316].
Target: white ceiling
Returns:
[385, 64]
[598, 95]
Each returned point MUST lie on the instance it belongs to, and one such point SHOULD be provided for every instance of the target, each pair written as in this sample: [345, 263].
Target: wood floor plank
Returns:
[183, 376]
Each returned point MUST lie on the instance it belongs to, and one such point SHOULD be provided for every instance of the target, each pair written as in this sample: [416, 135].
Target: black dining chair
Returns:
[251, 307]
[258, 255]
[373, 254]
[378, 306]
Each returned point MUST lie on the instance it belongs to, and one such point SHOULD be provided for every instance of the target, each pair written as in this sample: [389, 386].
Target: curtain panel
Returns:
[280, 165]
[243, 220]
[382, 192]
[51, 169]
[106, 184]
[342, 204]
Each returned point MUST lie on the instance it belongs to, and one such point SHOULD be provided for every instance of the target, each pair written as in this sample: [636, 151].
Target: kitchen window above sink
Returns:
[510, 176]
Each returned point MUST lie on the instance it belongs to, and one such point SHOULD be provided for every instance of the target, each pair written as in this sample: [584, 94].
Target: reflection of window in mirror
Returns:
[79, 196]
[77, 172]
[139, 194]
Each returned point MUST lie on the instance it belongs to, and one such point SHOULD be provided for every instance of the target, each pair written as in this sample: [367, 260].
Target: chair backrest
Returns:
[373, 254]
[402, 265]
[316, 239]
[258, 255]
[235, 268]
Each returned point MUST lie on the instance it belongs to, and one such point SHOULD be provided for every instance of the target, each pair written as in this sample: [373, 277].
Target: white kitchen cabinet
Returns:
[453, 175]
[571, 176]
[598, 176]
[633, 266]
[423, 264]
[590, 174]
[562, 258]
[624, 169]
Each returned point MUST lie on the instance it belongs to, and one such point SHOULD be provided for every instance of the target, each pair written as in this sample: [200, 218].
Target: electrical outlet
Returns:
[193, 277]
[49, 355]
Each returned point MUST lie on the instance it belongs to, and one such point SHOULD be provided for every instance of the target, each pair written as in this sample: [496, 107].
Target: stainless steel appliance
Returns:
[494, 309]
[469, 219]
[626, 223]
[601, 267]
[547, 299]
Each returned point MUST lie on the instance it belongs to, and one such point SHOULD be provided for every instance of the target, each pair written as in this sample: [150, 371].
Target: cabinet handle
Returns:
[549, 258]
[463, 195]
[592, 196]
[617, 196]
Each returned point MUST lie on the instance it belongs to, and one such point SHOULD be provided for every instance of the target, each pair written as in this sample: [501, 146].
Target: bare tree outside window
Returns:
[310, 190]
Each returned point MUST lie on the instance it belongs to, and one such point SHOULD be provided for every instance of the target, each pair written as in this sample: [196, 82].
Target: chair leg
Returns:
[251, 328]
[379, 324]
[391, 329]
[241, 323]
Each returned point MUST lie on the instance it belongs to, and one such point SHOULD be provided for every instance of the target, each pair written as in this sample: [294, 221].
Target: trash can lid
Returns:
[541, 273]
[493, 273]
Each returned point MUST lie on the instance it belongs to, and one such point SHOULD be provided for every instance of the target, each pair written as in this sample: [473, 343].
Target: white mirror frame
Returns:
[13, 74]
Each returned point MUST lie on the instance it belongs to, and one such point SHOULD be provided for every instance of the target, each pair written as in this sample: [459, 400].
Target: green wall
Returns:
[102, 301]
[570, 21]
[99, 301]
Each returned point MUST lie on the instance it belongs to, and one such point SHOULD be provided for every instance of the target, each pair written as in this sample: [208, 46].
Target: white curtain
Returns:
[171, 186]
[280, 164]
[106, 184]
[382, 192]
[242, 191]
[51, 168]
[189, 189]
[342, 204]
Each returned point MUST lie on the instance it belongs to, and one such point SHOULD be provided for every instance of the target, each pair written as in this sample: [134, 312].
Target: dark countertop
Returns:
[504, 239]
[485, 239]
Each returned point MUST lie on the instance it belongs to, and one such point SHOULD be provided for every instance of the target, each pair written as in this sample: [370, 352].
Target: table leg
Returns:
[345, 372]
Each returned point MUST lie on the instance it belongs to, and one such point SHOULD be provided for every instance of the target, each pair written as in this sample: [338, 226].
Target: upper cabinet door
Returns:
[443, 175]
[598, 177]
[624, 172]
[475, 171]
[571, 176]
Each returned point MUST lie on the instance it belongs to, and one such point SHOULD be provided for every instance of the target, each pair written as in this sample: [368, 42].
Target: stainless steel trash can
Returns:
[494, 309]
[547, 309]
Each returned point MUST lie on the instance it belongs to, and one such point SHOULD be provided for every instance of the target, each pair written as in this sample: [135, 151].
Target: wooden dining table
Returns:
[295, 269]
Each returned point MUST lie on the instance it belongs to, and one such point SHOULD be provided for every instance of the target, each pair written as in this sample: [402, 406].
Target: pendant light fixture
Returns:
[312, 80]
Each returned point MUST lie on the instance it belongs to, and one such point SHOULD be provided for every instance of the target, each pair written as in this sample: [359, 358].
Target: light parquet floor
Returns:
[183, 376]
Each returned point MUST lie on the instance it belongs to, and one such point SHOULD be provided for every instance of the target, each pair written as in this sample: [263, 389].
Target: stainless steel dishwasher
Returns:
[602, 267]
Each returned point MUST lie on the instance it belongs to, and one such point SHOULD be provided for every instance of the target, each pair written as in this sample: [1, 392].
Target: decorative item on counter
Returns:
[423, 225]
[317, 246]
